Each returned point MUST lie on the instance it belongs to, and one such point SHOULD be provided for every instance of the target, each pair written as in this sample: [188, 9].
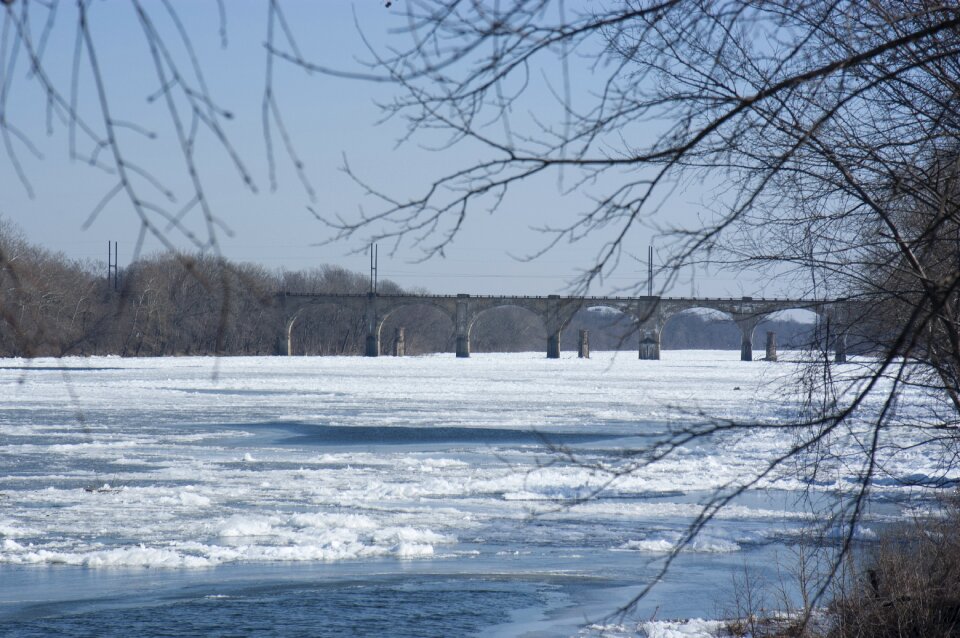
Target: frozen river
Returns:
[354, 496]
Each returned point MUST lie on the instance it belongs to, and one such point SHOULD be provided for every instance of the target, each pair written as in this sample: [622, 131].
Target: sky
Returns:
[332, 121]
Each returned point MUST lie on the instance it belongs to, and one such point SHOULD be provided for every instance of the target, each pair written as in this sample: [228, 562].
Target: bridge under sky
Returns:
[649, 315]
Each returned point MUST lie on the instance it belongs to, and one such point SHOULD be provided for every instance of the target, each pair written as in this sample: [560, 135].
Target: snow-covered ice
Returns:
[186, 463]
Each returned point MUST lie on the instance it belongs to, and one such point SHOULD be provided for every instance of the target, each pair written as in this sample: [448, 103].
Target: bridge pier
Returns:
[399, 346]
[463, 346]
[840, 348]
[463, 327]
[771, 354]
[555, 313]
[746, 346]
[837, 321]
[650, 318]
[747, 325]
[287, 337]
[649, 344]
[553, 345]
[372, 348]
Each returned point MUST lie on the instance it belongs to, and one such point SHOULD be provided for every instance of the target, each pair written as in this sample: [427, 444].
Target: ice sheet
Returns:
[185, 463]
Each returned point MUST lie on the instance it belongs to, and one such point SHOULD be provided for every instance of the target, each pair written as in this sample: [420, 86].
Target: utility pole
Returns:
[113, 266]
[650, 270]
[374, 263]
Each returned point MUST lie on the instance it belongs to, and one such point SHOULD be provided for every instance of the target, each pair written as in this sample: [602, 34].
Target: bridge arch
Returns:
[324, 313]
[828, 326]
[746, 313]
[711, 316]
[529, 332]
[401, 312]
[806, 331]
[611, 326]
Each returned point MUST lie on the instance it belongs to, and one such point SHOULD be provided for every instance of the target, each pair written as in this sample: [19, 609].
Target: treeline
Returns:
[175, 304]
[169, 304]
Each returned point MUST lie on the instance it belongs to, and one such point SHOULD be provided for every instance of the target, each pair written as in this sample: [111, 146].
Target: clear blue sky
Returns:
[329, 118]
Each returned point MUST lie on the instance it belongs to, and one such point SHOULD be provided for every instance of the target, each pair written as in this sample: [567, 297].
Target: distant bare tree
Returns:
[90, 104]
[50, 305]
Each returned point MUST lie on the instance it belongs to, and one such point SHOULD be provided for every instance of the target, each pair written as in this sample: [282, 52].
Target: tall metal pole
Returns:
[650, 270]
[113, 265]
[374, 262]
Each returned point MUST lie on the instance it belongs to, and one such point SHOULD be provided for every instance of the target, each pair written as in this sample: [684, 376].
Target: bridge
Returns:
[650, 313]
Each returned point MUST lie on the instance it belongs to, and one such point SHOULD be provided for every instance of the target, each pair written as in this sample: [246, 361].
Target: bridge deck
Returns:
[364, 295]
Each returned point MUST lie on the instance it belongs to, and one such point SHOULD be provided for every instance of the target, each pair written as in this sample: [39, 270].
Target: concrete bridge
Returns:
[650, 314]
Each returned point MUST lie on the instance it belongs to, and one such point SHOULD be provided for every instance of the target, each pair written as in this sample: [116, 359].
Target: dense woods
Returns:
[177, 304]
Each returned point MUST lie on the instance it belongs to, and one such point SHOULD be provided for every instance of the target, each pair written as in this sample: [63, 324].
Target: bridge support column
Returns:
[746, 346]
[463, 346]
[649, 343]
[771, 346]
[463, 327]
[747, 327]
[553, 345]
[583, 346]
[373, 327]
[287, 339]
[398, 342]
[554, 317]
[840, 348]
[837, 321]
[650, 320]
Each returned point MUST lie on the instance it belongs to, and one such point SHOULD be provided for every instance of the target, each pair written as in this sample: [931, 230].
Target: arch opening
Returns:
[822, 333]
[610, 328]
[325, 329]
[507, 328]
[700, 329]
[795, 328]
[426, 328]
